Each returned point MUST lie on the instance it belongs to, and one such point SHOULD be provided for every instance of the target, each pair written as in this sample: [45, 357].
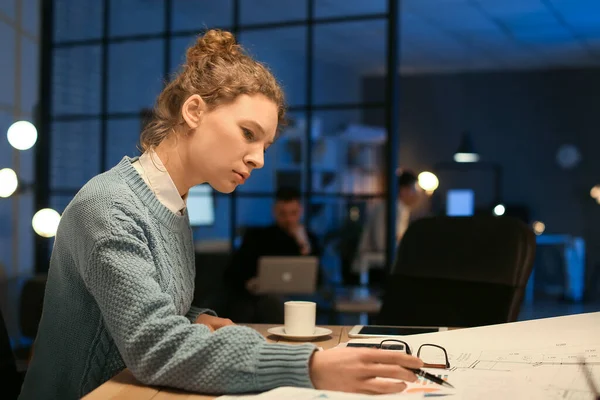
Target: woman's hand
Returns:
[213, 323]
[356, 370]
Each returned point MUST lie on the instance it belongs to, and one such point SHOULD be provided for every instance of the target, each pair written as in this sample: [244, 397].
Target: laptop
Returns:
[287, 275]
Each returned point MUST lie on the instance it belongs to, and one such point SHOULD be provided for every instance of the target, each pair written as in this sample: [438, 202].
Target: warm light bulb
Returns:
[45, 222]
[595, 192]
[428, 181]
[538, 227]
[22, 135]
[8, 182]
[499, 210]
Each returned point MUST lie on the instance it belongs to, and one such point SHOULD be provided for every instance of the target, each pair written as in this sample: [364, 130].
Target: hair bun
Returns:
[214, 42]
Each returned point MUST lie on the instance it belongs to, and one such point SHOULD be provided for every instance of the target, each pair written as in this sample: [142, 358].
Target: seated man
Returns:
[287, 237]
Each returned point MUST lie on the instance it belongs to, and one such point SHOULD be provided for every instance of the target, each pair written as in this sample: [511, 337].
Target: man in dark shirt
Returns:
[287, 237]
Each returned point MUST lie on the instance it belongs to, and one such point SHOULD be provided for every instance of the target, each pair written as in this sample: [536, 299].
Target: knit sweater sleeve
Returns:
[163, 348]
[197, 311]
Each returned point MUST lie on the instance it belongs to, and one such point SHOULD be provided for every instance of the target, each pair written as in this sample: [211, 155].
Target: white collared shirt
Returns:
[154, 173]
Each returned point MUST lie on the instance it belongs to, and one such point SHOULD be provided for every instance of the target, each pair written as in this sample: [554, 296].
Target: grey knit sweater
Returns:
[119, 294]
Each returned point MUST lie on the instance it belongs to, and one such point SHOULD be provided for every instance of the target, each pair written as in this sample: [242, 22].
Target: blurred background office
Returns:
[493, 104]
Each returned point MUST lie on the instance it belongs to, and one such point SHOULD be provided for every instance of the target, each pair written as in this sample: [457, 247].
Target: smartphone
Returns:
[369, 331]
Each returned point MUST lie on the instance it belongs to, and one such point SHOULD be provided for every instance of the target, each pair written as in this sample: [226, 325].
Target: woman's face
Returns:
[229, 142]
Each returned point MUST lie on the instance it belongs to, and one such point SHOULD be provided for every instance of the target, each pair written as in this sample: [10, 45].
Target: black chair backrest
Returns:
[459, 271]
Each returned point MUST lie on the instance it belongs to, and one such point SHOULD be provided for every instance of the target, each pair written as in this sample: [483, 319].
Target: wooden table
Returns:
[125, 386]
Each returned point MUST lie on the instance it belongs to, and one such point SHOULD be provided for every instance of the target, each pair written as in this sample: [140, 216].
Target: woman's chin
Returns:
[224, 187]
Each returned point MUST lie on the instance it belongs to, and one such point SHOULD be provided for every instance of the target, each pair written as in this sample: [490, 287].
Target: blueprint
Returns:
[553, 358]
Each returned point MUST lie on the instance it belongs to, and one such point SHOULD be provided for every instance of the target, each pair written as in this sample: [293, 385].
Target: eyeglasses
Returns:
[432, 355]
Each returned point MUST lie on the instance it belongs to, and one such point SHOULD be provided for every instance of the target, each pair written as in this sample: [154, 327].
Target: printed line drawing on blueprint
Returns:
[515, 359]
[559, 370]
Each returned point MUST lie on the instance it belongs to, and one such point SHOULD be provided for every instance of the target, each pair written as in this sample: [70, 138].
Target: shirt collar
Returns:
[161, 183]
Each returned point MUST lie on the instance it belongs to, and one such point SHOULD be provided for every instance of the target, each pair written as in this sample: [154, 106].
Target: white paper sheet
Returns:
[545, 353]
[291, 393]
[538, 359]
[471, 385]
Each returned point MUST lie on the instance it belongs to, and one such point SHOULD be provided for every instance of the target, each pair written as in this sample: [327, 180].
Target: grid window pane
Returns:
[345, 8]
[7, 49]
[284, 160]
[8, 7]
[29, 68]
[284, 52]
[347, 155]
[344, 54]
[122, 139]
[26, 163]
[337, 222]
[76, 76]
[333, 216]
[134, 17]
[327, 214]
[254, 211]
[60, 202]
[75, 153]
[30, 16]
[78, 19]
[179, 46]
[199, 15]
[253, 11]
[201, 205]
[135, 75]
[220, 230]
[6, 149]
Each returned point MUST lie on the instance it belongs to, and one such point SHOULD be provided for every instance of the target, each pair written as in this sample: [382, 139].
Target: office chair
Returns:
[459, 271]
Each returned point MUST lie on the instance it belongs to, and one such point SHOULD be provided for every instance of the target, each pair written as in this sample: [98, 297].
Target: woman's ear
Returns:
[192, 110]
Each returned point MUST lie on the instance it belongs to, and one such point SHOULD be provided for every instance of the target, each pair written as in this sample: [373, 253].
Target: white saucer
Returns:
[280, 331]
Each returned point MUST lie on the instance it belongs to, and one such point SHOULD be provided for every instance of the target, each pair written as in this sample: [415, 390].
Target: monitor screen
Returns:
[460, 202]
[201, 205]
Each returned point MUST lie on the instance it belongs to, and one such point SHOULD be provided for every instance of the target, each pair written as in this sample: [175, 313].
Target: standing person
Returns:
[120, 283]
[373, 239]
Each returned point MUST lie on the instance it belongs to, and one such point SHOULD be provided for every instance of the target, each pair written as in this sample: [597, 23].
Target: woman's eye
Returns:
[248, 134]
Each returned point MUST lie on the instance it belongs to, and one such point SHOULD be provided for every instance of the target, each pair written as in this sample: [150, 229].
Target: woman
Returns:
[120, 283]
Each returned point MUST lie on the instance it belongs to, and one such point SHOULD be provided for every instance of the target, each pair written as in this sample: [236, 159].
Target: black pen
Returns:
[431, 377]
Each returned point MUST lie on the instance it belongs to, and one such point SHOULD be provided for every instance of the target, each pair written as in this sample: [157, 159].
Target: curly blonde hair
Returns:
[219, 70]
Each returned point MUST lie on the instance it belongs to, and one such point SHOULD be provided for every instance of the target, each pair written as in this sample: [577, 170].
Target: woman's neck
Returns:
[171, 157]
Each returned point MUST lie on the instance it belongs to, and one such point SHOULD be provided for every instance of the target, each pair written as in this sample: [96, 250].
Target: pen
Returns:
[431, 377]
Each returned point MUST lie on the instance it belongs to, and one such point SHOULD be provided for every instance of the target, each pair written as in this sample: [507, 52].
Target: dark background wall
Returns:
[518, 120]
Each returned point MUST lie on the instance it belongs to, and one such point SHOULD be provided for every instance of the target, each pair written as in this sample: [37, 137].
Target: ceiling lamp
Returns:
[466, 153]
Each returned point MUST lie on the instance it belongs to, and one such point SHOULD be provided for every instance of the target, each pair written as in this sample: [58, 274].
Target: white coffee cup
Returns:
[300, 317]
